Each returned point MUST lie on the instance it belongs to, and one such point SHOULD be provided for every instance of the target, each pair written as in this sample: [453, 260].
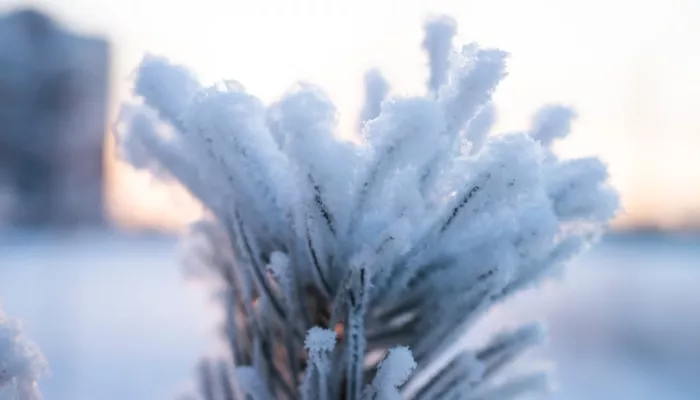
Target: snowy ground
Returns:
[117, 320]
[624, 323]
[112, 314]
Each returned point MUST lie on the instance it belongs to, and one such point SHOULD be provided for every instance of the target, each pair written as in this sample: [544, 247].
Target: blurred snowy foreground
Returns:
[117, 320]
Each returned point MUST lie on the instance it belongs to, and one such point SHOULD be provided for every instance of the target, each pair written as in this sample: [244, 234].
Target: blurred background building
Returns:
[53, 109]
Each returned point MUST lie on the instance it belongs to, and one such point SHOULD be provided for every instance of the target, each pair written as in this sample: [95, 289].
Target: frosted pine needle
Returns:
[349, 268]
[21, 362]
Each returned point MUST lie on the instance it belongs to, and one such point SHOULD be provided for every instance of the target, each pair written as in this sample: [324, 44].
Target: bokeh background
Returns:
[103, 293]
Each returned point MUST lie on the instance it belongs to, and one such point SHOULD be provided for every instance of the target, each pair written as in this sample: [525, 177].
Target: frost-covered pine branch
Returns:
[21, 362]
[347, 269]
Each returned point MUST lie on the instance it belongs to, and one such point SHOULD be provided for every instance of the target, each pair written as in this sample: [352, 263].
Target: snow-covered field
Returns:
[112, 313]
[624, 323]
[117, 320]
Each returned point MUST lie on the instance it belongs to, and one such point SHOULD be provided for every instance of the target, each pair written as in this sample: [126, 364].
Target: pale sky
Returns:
[629, 67]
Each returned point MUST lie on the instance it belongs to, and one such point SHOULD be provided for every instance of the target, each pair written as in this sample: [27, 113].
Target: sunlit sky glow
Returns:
[629, 67]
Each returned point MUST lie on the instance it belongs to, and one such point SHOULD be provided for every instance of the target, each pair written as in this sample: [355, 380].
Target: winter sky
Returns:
[630, 68]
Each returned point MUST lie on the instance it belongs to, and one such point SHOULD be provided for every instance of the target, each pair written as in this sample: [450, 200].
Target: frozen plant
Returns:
[21, 362]
[347, 268]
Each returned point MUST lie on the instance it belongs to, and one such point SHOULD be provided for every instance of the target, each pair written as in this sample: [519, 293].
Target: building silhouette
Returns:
[53, 109]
